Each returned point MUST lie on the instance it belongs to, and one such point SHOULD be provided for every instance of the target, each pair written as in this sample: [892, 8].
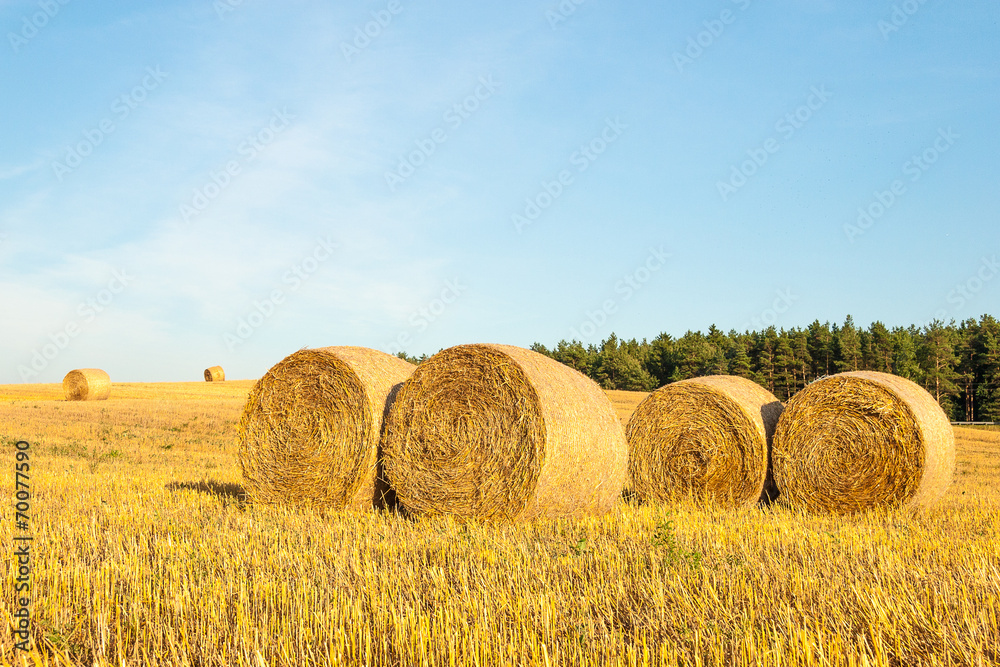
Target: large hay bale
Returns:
[706, 437]
[87, 384]
[310, 430]
[215, 374]
[863, 439]
[497, 432]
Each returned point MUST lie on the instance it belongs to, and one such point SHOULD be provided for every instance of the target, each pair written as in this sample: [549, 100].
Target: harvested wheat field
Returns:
[625, 402]
[146, 554]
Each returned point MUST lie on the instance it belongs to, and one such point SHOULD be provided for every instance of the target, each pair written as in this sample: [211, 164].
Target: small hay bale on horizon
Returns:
[860, 440]
[310, 430]
[87, 384]
[215, 374]
[501, 433]
[706, 437]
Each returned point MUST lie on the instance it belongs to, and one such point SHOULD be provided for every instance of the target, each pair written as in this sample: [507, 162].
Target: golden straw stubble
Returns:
[706, 437]
[310, 431]
[861, 440]
[500, 433]
[87, 384]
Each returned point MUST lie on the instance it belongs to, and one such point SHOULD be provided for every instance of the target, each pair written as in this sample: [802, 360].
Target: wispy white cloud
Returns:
[13, 172]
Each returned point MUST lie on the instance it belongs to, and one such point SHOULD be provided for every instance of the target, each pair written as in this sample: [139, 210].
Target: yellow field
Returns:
[145, 554]
[625, 402]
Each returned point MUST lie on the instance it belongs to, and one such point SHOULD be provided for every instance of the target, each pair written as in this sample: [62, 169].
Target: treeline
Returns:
[958, 363]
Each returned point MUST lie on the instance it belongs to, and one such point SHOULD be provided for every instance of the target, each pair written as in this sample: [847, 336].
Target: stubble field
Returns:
[144, 553]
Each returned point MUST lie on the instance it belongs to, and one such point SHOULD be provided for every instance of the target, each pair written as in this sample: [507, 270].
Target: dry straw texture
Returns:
[87, 384]
[310, 431]
[707, 437]
[215, 374]
[859, 440]
[502, 433]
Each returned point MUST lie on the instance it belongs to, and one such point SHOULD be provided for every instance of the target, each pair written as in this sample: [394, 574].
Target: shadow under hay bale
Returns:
[220, 489]
[310, 431]
[708, 438]
[501, 433]
[770, 414]
[860, 440]
[215, 374]
[87, 384]
[385, 495]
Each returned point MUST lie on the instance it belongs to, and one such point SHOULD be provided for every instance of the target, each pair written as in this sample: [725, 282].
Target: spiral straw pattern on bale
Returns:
[87, 384]
[310, 431]
[706, 437]
[500, 433]
[861, 440]
[215, 374]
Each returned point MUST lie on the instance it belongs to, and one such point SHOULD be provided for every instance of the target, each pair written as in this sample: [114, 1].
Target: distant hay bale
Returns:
[706, 437]
[860, 440]
[310, 430]
[87, 384]
[215, 374]
[501, 433]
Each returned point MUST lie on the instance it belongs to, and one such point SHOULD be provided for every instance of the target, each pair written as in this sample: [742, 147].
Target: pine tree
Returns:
[880, 348]
[739, 362]
[719, 346]
[848, 346]
[904, 353]
[541, 349]
[784, 365]
[937, 360]
[865, 344]
[416, 361]
[617, 369]
[821, 348]
[574, 355]
[694, 356]
[800, 346]
[766, 344]
[988, 369]
[965, 350]
[659, 360]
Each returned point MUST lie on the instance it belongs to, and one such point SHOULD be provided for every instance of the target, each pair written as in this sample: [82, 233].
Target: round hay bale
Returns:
[501, 433]
[215, 374]
[310, 430]
[859, 440]
[706, 437]
[87, 384]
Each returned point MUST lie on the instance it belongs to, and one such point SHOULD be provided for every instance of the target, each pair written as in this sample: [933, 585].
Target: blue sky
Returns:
[198, 184]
